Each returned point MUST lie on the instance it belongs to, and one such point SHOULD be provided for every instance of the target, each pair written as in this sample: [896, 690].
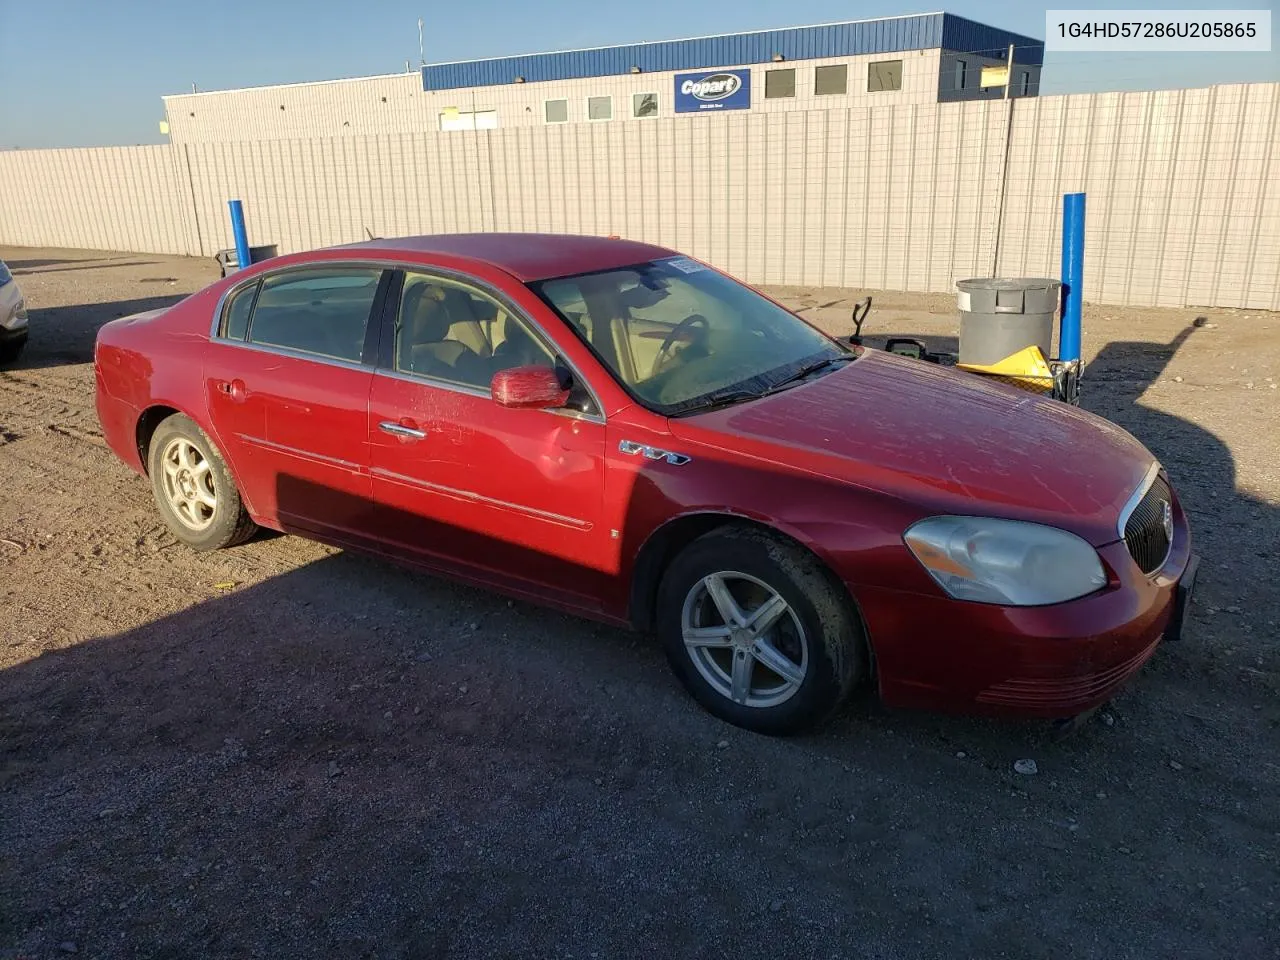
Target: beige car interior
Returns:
[451, 333]
[633, 341]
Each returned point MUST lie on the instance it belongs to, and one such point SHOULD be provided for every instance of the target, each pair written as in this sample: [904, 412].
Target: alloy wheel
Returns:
[745, 639]
[188, 484]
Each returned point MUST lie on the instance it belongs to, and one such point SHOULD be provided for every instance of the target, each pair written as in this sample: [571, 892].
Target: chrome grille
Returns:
[1148, 531]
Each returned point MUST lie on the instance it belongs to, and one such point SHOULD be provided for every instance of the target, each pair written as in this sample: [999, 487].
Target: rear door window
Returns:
[236, 322]
[323, 312]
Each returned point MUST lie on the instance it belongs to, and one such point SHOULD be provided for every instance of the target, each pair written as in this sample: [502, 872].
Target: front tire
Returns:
[759, 632]
[194, 489]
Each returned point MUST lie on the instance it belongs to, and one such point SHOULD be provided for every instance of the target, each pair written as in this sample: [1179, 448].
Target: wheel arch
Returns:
[156, 413]
[668, 540]
[149, 421]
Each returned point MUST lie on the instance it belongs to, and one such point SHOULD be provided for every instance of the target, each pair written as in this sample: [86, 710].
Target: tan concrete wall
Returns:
[1183, 191]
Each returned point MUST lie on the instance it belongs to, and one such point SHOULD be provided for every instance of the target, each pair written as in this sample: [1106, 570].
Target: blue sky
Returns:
[86, 72]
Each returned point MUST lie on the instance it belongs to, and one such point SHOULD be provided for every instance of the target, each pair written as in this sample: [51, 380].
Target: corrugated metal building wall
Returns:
[1183, 190]
[368, 105]
[389, 105]
[100, 198]
[859, 37]
[412, 104]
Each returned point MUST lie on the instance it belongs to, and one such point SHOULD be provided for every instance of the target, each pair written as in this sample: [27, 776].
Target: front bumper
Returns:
[13, 315]
[13, 309]
[1040, 662]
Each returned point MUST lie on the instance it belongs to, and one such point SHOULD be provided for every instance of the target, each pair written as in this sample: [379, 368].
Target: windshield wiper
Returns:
[728, 395]
[808, 368]
[719, 398]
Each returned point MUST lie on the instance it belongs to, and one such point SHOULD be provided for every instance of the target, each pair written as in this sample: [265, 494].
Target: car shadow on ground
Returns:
[26, 268]
[35, 264]
[65, 335]
[354, 759]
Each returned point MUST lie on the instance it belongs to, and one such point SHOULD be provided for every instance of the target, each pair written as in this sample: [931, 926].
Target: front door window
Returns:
[455, 333]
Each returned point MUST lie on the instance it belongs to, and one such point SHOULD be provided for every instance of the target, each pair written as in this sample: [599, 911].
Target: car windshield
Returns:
[682, 337]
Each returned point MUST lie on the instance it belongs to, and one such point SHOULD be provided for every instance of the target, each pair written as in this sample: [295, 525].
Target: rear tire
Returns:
[791, 647]
[194, 489]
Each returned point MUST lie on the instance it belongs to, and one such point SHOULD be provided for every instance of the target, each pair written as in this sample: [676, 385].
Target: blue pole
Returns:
[239, 233]
[1072, 275]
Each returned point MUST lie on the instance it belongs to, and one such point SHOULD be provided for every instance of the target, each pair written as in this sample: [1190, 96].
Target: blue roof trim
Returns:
[968, 36]
[892, 35]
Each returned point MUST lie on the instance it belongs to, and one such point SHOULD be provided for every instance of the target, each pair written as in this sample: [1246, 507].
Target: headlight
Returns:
[1007, 562]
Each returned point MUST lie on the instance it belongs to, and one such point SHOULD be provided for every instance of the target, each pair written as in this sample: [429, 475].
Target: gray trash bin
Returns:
[228, 262]
[1000, 317]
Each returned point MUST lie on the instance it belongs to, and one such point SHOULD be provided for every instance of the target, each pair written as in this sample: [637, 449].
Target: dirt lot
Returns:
[283, 750]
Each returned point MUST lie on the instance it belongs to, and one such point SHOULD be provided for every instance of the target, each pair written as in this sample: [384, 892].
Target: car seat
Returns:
[518, 348]
[423, 345]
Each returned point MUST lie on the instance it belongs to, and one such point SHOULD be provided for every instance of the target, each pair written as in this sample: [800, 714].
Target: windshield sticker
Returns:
[685, 265]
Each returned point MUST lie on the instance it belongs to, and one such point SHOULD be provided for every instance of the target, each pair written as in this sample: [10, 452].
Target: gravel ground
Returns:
[284, 750]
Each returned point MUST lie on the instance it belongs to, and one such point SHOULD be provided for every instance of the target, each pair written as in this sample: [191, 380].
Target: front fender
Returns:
[855, 533]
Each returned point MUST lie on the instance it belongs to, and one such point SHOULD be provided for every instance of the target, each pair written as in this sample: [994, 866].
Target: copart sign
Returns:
[713, 90]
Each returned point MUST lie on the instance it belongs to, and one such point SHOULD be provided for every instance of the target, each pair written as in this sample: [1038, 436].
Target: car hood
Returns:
[942, 438]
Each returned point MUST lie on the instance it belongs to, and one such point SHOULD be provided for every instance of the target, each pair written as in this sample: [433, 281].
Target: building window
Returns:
[644, 104]
[556, 111]
[829, 80]
[468, 120]
[779, 83]
[962, 70]
[1026, 82]
[599, 108]
[883, 76]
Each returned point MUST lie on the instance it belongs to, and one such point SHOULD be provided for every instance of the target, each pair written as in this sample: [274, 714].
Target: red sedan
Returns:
[617, 430]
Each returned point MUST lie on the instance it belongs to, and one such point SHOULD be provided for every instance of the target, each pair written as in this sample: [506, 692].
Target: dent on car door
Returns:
[505, 495]
[288, 388]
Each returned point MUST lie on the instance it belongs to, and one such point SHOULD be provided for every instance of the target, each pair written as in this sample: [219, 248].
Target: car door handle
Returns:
[400, 430]
[231, 388]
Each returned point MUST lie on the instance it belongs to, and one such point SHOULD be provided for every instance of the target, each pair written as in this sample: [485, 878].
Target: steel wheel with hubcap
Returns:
[193, 487]
[759, 631]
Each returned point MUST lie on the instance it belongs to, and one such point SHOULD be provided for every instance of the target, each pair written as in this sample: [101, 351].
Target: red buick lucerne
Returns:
[620, 431]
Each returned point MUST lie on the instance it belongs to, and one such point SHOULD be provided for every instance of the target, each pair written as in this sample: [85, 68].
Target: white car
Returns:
[13, 317]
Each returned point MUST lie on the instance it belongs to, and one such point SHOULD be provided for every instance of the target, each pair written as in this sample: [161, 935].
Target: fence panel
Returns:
[1183, 191]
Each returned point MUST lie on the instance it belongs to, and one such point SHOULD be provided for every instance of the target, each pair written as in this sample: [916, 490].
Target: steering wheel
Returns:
[678, 333]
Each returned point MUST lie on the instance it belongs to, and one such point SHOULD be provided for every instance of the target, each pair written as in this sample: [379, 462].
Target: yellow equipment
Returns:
[1027, 369]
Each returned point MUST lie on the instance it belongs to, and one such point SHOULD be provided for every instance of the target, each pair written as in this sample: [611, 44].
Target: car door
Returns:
[287, 385]
[511, 497]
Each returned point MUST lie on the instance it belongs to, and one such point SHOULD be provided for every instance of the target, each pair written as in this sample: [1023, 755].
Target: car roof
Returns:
[526, 256]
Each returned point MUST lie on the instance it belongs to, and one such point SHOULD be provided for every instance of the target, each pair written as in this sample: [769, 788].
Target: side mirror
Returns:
[530, 387]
